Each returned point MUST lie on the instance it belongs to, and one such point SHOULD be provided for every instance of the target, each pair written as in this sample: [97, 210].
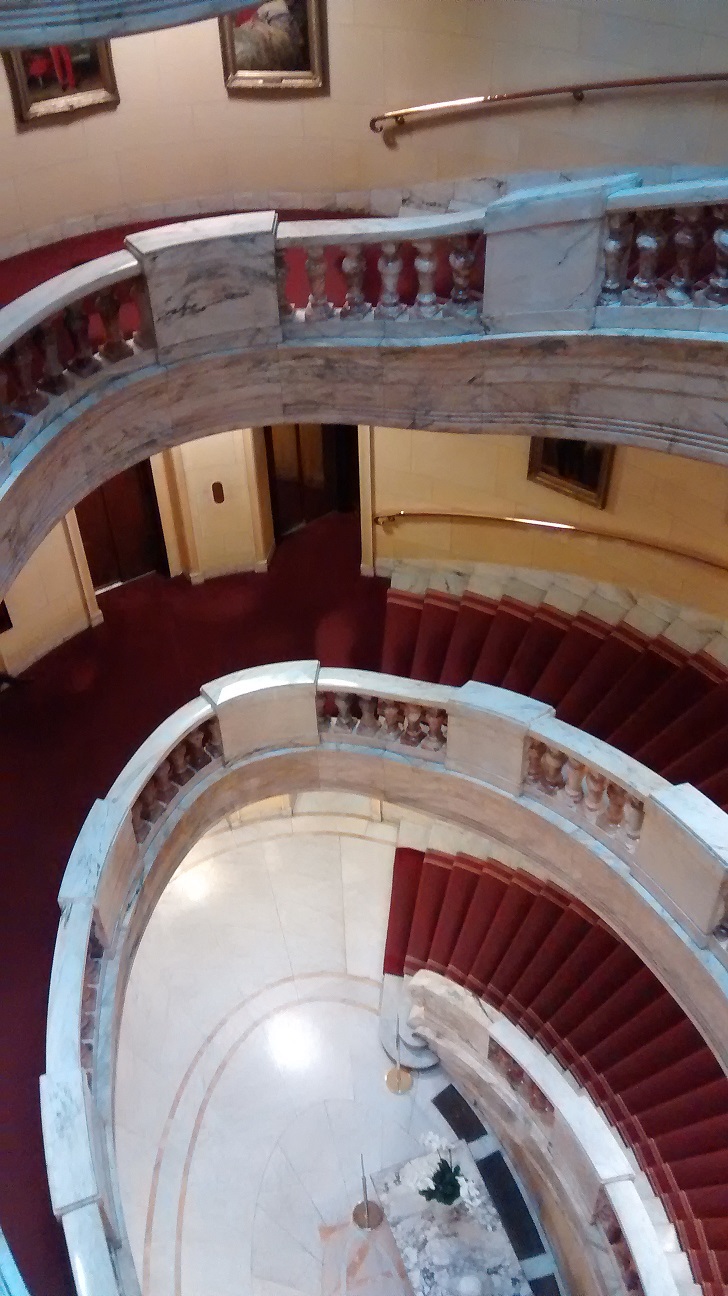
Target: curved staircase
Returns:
[556, 970]
[649, 679]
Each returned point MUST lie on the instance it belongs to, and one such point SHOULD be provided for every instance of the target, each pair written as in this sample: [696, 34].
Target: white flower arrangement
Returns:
[435, 1177]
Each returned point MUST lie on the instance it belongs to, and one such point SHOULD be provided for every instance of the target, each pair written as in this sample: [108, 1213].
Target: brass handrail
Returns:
[398, 118]
[386, 520]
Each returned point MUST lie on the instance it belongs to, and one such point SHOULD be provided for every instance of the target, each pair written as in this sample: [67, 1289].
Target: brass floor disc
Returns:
[398, 1080]
[359, 1215]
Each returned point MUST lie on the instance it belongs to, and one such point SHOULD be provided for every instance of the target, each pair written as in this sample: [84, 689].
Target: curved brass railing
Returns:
[388, 520]
[424, 114]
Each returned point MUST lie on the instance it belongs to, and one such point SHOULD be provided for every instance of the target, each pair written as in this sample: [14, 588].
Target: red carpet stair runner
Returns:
[656, 687]
[557, 971]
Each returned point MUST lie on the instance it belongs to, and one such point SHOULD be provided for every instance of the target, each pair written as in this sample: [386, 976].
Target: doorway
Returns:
[121, 528]
[313, 469]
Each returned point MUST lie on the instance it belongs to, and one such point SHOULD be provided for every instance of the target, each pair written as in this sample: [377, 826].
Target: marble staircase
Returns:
[648, 677]
[554, 969]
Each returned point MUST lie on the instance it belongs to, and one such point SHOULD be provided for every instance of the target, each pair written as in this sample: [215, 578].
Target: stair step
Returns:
[696, 724]
[654, 666]
[510, 624]
[669, 701]
[619, 651]
[549, 626]
[492, 886]
[507, 919]
[405, 885]
[472, 624]
[401, 626]
[461, 886]
[434, 877]
[437, 621]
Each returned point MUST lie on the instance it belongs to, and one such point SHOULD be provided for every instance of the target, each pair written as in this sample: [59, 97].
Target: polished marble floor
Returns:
[250, 1075]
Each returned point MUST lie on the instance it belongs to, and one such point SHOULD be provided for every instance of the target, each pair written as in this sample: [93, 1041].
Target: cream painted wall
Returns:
[178, 137]
[678, 503]
[208, 539]
[51, 600]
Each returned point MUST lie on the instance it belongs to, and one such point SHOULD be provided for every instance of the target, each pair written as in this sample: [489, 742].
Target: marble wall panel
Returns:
[487, 734]
[682, 857]
[211, 282]
[266, 708]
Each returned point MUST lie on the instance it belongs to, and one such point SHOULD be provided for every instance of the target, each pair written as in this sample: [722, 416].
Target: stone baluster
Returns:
[144, 336]
[616, 248]
[613, 813]
[687, 240]
[197, 755]
[114, 347]
[165, 788]
[633, 818]
[595, 785]
[151, 809]
[552, 764]
[717, 287]
[426, 305]
[574, 780]
[139, 826]
[84, 362]
[389, 305]
[322, 719]
[319, 307]
[461, 259]
[10, 422]
[435, 738]
[534, 756]
[413, 731]
[54, 379]
[213, 738]
[643, 288]
[344, 718]
[281, 262]
[368, 725]
[29, 400]
[392, 719]
[353, 266]
[720, 931]
[181, 772]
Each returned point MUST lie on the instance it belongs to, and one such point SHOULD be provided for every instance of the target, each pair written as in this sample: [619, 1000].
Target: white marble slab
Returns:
[63, 1022]
[212, 282]
[440, 1245]
[69, 1160]
[88, 1251]
[50, 298]
[682, 857]
[267, 707]
[101, 865]
[487, 731]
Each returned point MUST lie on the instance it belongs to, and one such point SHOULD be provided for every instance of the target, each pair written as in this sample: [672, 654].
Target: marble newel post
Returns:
[212, 283]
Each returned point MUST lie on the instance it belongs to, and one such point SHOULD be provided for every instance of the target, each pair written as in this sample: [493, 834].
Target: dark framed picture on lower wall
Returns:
[48, 82]
[270, 45]
[580, 469]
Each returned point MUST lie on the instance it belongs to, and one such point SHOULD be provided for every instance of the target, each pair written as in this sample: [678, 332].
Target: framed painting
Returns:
[51, 81]
[576, 468]
[275, 45]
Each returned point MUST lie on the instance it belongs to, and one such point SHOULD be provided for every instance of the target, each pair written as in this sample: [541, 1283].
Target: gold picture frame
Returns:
[48, 82]
[275, 45]
[580, 469]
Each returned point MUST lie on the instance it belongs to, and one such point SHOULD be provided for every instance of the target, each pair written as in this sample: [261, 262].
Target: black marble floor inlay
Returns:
[546, 1286]
[459, 1115]
[509, 1203]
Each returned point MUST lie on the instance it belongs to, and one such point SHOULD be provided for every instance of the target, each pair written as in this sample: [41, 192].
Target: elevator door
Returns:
[313, 469]
[121, 529]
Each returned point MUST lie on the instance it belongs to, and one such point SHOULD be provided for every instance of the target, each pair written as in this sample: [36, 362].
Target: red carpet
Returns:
[67, 732]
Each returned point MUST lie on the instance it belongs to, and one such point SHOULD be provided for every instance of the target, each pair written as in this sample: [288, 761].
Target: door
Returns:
[121, 529]
[313, 469]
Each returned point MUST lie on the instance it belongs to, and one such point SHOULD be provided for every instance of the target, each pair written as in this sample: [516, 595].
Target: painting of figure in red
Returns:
[48, 80]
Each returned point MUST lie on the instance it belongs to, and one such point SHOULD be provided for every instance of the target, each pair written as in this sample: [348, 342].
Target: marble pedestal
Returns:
[440, 1245]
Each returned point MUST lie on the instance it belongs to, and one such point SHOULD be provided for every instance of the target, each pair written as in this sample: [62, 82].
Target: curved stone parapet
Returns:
[649, 858]
[194, 333]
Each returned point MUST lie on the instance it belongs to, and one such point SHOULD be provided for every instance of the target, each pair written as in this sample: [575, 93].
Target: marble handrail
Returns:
[478, 738]
[438, 245]
[548, 1123]
[48, 357]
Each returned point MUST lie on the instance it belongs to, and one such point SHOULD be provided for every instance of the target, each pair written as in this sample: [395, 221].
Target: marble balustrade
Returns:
[444, 252]
[478, 756]
[556, 1135]
[607, 253]
[66, 338]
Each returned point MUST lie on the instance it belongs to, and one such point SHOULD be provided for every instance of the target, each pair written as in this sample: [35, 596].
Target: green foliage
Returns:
[445, 1184]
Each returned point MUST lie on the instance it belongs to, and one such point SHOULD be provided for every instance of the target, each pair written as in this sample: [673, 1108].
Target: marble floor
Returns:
[250, 1076]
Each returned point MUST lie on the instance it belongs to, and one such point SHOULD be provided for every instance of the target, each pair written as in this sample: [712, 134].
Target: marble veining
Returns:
[442, 1244]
